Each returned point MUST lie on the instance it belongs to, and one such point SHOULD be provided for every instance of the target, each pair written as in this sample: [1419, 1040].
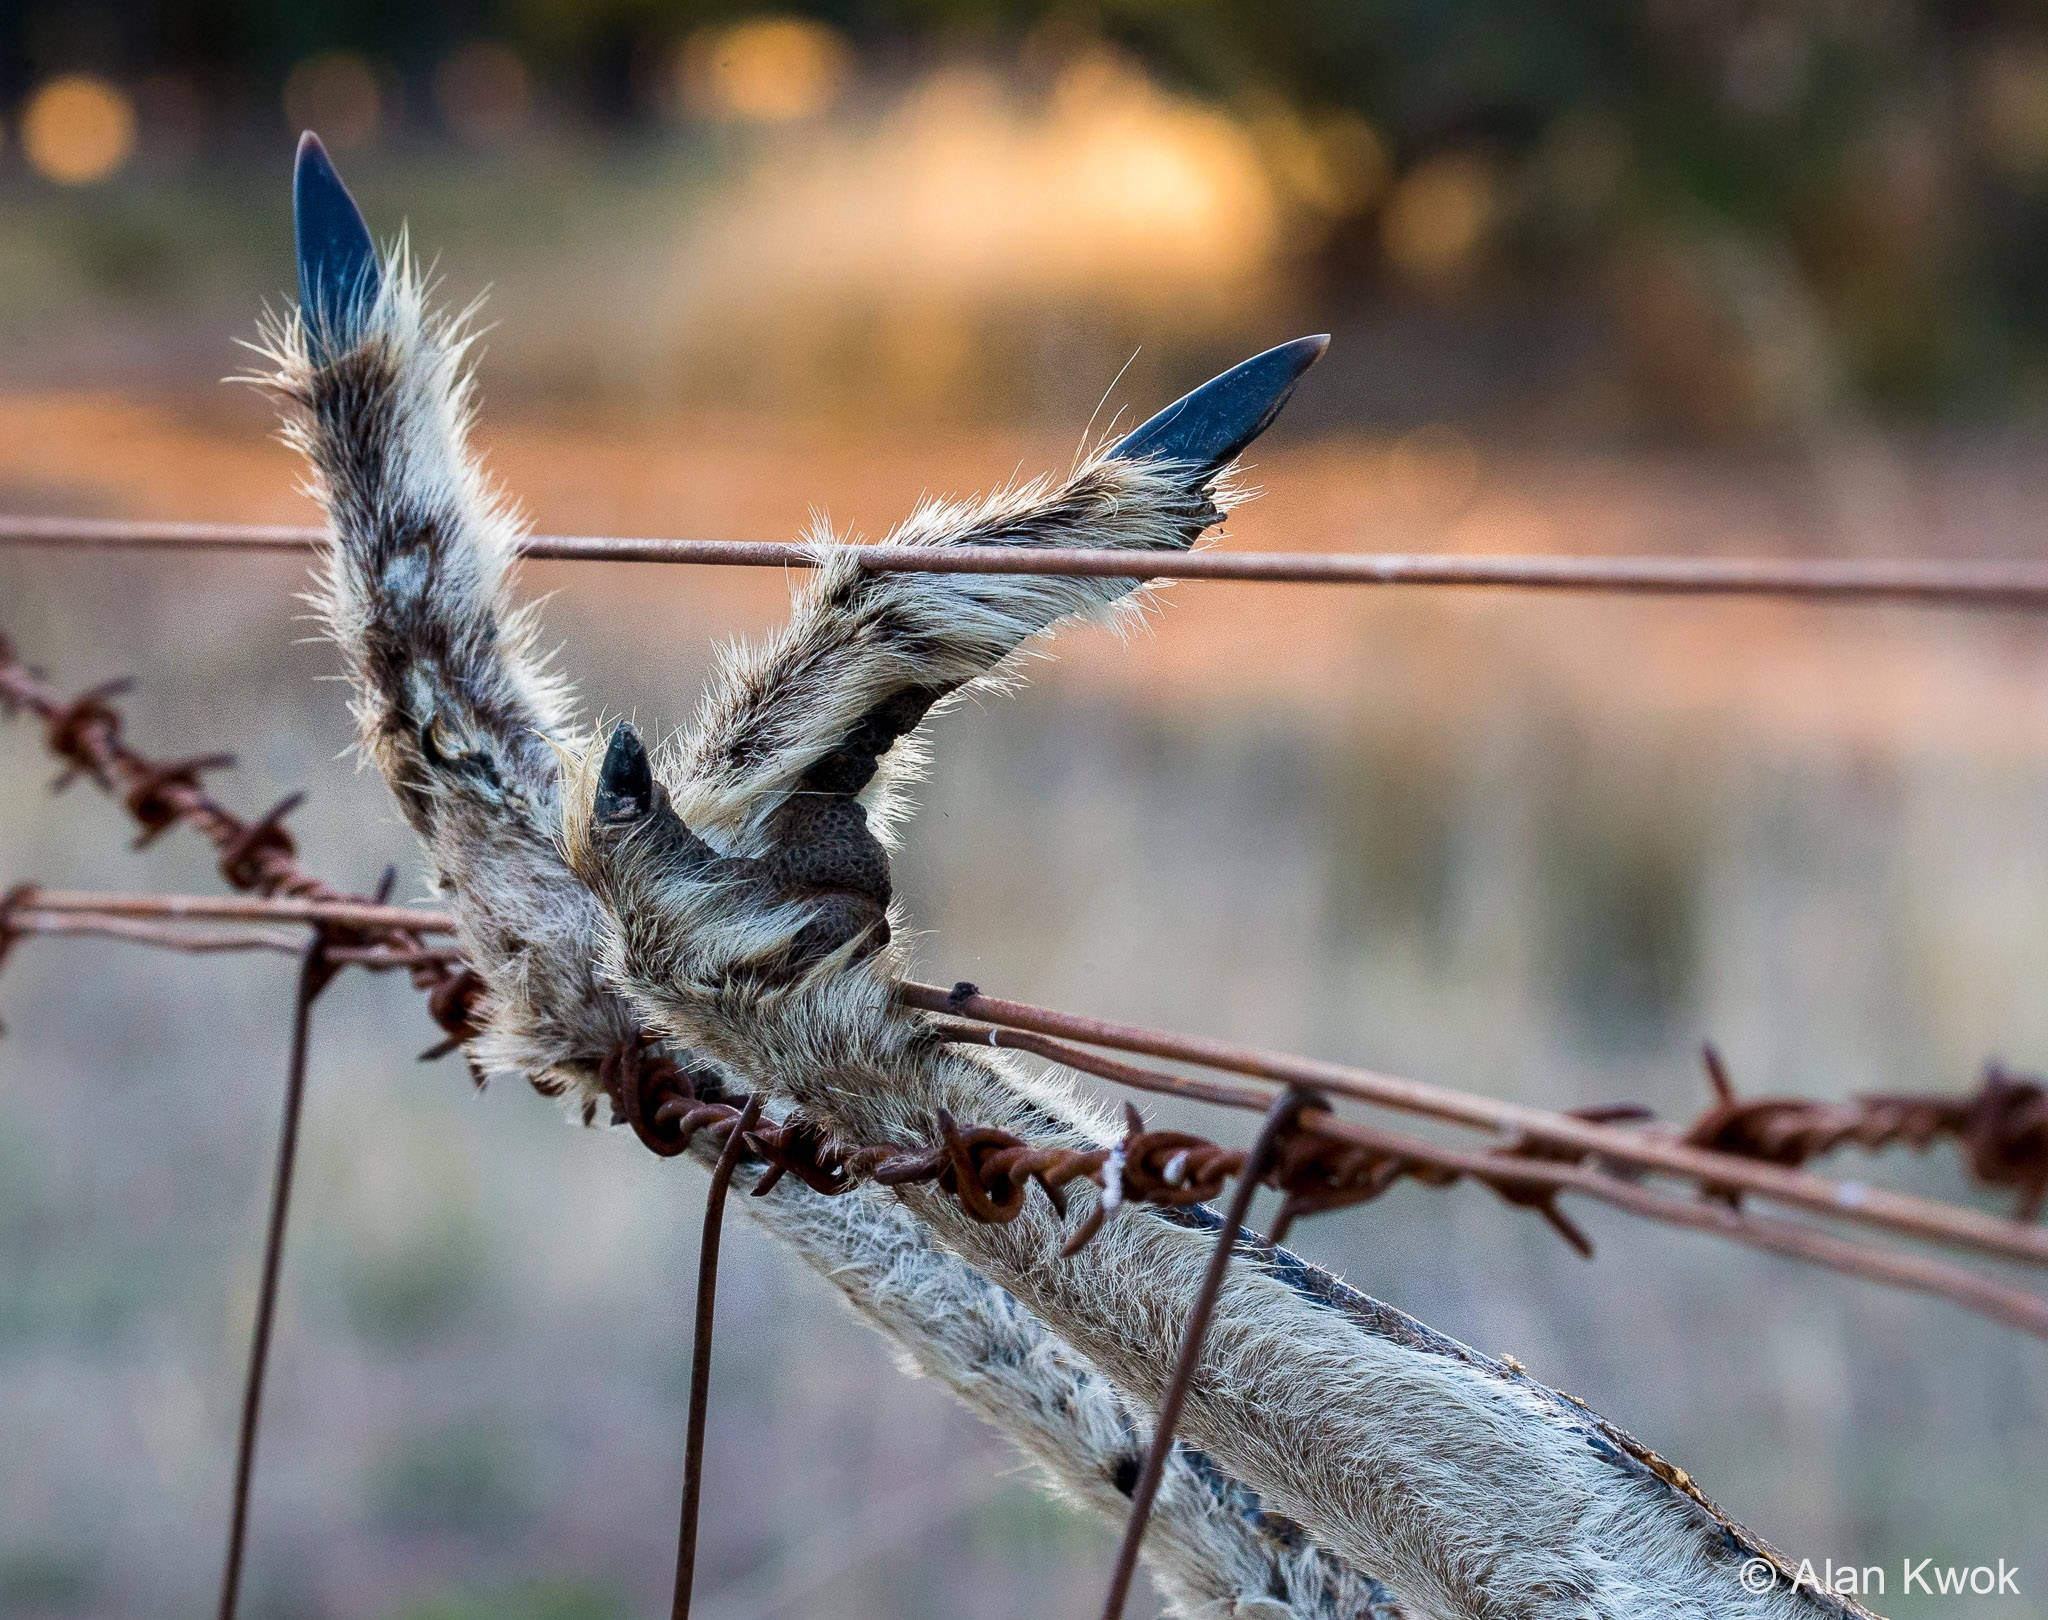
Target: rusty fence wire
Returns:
[1737, 1150]
[2007, 586]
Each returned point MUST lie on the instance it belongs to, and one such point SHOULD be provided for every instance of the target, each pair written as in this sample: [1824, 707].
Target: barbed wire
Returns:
[2008, 586]
[84, 731]
[1643, 1149]
[1324, 1162]
[1317, 1160]
[257, 857]
[2002, 1126]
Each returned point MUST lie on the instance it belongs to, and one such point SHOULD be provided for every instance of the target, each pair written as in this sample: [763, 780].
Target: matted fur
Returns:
[1213, 1551]
[452, 704]
[452, 709]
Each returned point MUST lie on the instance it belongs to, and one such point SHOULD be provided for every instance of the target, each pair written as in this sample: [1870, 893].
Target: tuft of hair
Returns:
[415, 585]
[833, 701]
[453, 703]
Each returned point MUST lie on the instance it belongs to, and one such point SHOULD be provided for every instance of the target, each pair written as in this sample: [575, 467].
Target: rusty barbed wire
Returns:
[986, 1170]
[2001, 1129]
[1334, 1170]
[1518, 1170]
[1321, 1163]
[259, 857]
[1646, 1150]
[989, 1171]
[2011, 586]
[1528, 1170]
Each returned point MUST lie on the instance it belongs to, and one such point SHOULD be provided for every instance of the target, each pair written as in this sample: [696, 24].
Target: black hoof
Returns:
[625, 782]
[338, 275]
[1213, 424]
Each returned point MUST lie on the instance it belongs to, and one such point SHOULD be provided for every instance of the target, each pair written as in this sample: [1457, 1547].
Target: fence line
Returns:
[1998, 586]
[989, 1171]
[1903, 1213]
[1576, 1141]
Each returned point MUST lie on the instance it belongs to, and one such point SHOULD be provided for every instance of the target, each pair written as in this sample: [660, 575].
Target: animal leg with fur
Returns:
[454, 709]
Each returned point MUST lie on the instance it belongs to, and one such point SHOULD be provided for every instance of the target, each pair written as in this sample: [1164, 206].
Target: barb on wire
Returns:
[1640, 1149]
[1329, 1163]
[700, 1352]
[2001, 1127]
[315, 973]
[2020, 586]
[1286, 1109]
[260, 857]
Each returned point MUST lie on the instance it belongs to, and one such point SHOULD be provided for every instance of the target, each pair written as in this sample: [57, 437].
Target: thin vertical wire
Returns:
[314, 972]
[1257, 1162]
[700, 1355]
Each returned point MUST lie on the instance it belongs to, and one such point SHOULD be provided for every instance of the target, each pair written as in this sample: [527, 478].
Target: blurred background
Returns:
[1693, 276]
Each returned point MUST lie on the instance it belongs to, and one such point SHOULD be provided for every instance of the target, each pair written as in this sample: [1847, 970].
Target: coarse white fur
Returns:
[453, 710]
[856, 638]
[1473, 1490]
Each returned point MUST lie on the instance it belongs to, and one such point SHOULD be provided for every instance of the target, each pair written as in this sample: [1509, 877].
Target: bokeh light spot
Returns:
[77, 129]
[1438, 216]
[334, 94]
[768, 70]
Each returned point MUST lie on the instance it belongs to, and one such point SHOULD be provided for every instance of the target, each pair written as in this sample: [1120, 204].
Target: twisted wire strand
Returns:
[1321, 1163]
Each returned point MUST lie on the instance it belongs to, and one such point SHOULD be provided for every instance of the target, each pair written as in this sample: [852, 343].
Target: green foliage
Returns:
[468, 1476]
[422, 1288]
[38, 1579]
[541, 1600]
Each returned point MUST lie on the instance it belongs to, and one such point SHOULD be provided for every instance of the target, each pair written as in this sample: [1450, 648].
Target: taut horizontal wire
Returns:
[236, 908]
[1658, 1153]
[2008, 586]
[1904, 1213]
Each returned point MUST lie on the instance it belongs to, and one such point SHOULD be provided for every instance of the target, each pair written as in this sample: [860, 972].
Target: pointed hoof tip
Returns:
[1212, 425]
[625, 781]
[338, 275]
